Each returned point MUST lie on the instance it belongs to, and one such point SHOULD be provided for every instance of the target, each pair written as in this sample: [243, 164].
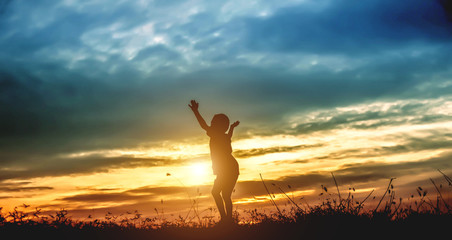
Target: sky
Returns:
[94, 96]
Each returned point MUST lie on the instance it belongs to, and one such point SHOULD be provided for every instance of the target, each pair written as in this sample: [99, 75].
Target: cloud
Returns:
[447, 6]
[53, 166]
[373, 116]
[12, 189]
[158, 51]
[24, 189]
[346, 27]
[21, 187]
[244, 153]
[138, 195]
[103, 197]
[377, 170]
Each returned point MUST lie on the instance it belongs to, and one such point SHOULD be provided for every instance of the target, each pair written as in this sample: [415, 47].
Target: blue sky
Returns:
[81, 76]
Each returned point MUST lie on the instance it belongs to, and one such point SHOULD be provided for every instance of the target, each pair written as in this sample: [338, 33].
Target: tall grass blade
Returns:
[387, 189]
[271, 198]
[338, 192]
[448, 179]
[441, 196]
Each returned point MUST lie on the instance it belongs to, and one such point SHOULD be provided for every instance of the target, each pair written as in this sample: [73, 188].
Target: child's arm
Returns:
[194, 107]
[231, 129]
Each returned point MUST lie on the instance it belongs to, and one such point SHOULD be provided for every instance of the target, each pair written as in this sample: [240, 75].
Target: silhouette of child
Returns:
[224, 165]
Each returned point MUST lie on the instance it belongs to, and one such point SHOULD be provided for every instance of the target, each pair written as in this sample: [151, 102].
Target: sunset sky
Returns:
[94, 97]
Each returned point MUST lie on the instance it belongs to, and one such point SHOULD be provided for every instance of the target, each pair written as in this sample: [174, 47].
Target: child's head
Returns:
[220, 122]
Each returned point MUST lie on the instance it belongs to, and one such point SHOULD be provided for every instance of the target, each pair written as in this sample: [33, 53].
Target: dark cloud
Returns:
[21, 186]
[244, 153]
[72, 115]
[141, 194]
[447, 6]
[24, 189]
[153, 190]
[53, 166]
[377, 170]
[348, 27]
[160, 52]
[103, 197]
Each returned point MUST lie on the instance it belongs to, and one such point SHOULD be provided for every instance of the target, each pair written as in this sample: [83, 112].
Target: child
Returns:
[224, 165]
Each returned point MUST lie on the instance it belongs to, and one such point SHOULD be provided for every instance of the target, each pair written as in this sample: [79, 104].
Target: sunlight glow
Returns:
[199, 169]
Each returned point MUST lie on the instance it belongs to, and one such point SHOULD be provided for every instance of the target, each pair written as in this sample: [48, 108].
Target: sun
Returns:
[199, 169]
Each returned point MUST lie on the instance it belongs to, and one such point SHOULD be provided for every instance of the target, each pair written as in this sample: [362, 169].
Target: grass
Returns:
[336, 216]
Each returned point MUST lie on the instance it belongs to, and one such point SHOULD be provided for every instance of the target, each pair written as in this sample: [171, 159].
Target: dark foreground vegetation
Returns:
[425, 216]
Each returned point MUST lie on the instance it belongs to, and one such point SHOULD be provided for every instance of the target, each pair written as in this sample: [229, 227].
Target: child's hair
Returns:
[220, 122]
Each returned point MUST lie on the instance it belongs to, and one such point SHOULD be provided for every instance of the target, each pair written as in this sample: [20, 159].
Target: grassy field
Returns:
[341, 217]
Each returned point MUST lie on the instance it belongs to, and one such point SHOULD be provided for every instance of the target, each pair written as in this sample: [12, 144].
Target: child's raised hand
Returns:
[194, 105]
[235, 124]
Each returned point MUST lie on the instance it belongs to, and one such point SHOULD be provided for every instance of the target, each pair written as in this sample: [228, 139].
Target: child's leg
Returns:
[216, 189]
[228, 187]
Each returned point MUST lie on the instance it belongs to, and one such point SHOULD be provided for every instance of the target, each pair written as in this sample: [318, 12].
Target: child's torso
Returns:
[221, 154]
[220, 146]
